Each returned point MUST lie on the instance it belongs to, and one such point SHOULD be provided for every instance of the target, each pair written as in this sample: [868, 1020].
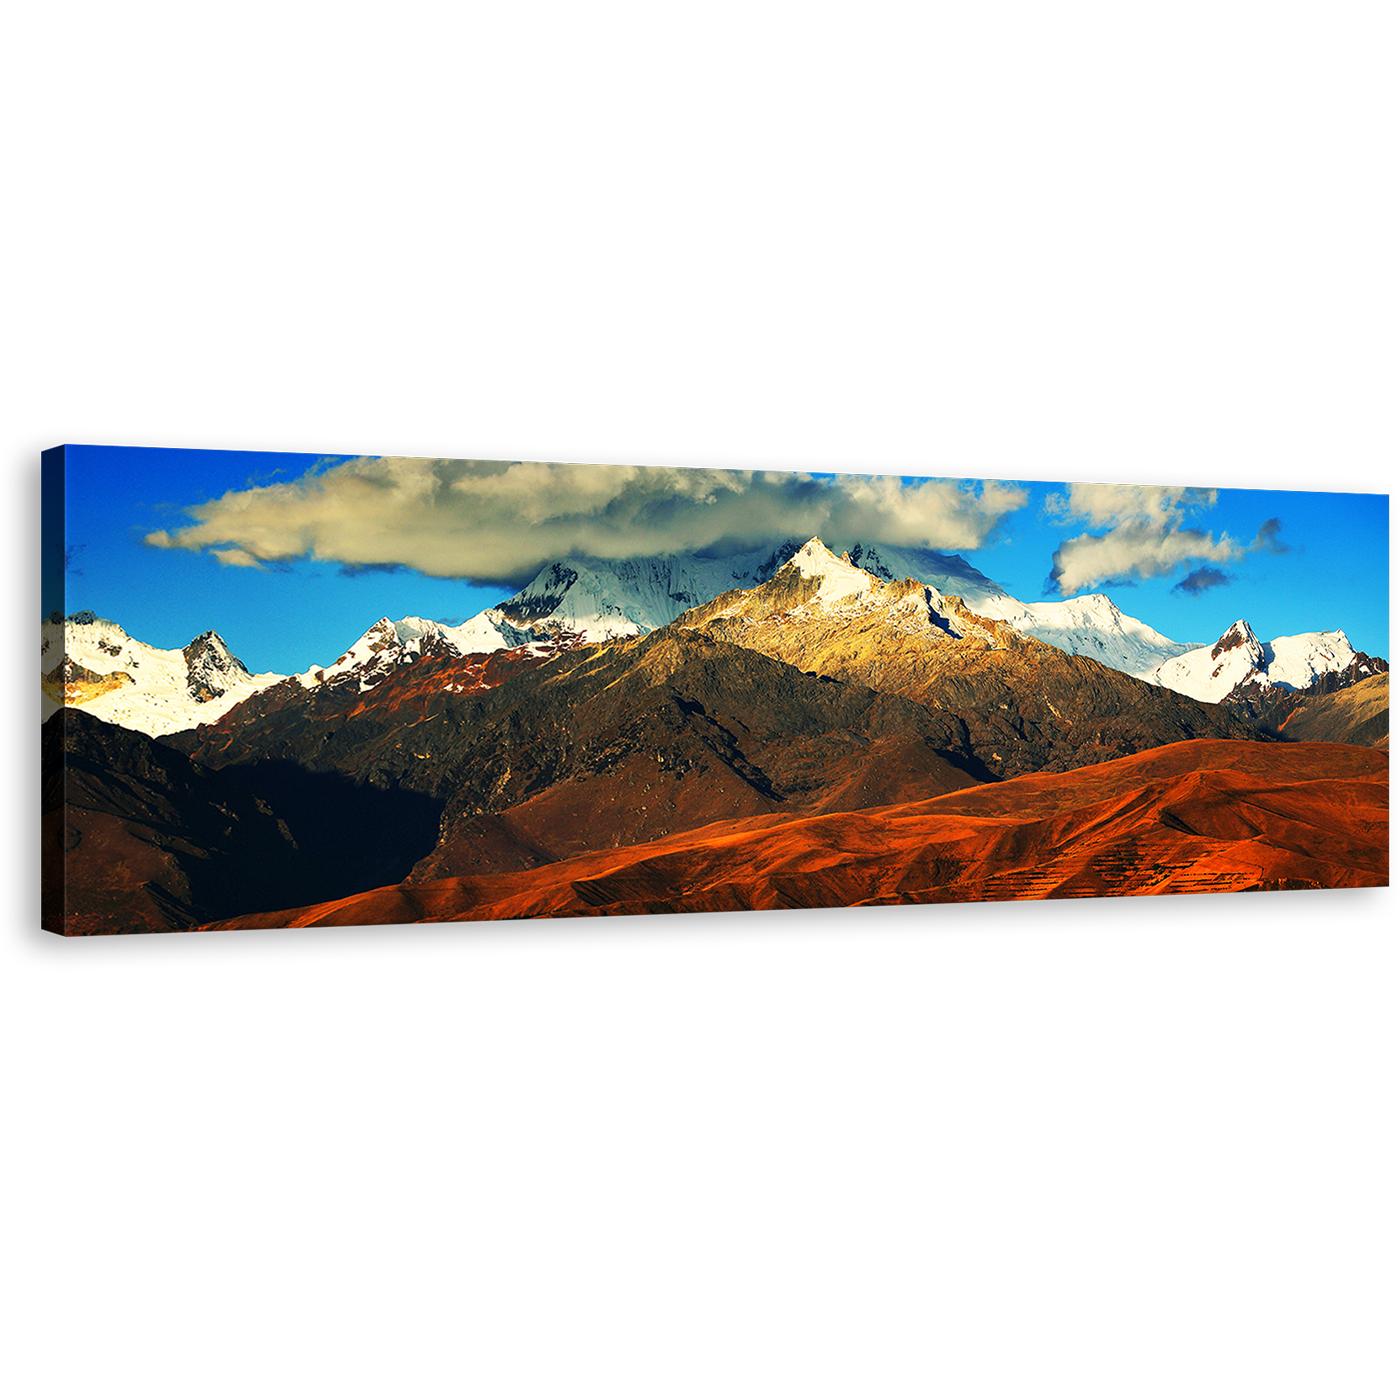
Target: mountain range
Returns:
[622, 708]
[1240, 663]
[92, 663]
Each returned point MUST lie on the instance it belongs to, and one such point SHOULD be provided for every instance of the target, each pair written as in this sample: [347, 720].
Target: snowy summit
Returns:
[91, 662]
[841, 581]
[1240, 658]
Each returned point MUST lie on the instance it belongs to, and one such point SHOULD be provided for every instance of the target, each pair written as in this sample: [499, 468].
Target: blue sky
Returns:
[1331, 571]
[291, 556]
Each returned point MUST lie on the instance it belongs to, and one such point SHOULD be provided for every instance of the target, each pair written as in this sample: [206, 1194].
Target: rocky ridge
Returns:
[603, 745]
[1334, 709]
[1022, 705]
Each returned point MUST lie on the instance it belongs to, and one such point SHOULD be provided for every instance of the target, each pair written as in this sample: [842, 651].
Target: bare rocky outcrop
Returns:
[212, 666]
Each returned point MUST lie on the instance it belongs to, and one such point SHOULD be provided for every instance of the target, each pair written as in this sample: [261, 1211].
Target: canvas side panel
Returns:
[53, 565]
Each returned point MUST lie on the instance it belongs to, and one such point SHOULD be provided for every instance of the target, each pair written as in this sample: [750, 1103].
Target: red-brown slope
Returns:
[1205, 815]
[645, 792]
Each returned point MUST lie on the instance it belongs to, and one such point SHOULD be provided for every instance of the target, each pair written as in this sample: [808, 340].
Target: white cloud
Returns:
[499, 521]
[1113, 503]
[1145, 536]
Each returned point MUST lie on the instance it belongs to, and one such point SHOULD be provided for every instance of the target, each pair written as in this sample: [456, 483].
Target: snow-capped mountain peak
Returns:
[1101, 606]
[948, 573]
[211, 644]
[408, 629]
[1239, 658]
[764, 569]
[1239, 635]
[820, 589]
[1296, 662]
[382, 646]
[840, 580]
[93, 663]
[387, 645]
[603, 598]
[1089, 626]
[599, 599]
[212, 667]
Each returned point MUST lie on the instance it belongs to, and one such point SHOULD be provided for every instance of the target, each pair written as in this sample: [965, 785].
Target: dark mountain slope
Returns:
[148, 840]
[610, 744]
[672, 731]
[289, 722]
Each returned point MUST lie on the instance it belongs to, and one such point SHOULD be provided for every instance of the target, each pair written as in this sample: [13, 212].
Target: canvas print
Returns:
[283, 690]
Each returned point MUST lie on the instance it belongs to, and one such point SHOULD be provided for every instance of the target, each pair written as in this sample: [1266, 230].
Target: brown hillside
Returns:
[1201, 816]
[672, 731]
[1358, 715]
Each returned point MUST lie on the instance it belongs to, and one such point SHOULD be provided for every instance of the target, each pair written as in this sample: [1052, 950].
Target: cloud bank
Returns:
[500, 521]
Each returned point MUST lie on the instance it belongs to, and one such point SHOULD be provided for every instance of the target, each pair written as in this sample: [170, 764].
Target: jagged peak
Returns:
[383, 630]
[209, 655]
[839, 577]
[1238, 634]
[815, 554]
[781, 555]
[408, 629]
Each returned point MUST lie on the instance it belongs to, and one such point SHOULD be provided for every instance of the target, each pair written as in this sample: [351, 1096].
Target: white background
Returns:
[1161, 1168]
[1159, 231]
